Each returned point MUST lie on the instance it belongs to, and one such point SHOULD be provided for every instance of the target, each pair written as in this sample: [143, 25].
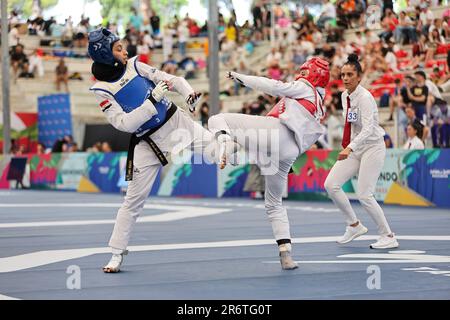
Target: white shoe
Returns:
[352, 233]
[287, 263]
[385, 242]
[114, 264]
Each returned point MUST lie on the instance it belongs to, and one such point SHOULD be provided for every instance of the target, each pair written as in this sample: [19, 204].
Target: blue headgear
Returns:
[100, 45]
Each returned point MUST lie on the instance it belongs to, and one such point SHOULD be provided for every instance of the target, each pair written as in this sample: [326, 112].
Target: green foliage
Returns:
[26, 5]
[114, 10]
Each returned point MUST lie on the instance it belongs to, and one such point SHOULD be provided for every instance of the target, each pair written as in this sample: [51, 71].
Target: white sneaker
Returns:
[352, 233]
[385, 242]
[114, 264]
[287, 263]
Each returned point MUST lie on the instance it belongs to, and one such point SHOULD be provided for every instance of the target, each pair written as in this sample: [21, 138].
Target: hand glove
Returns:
[159, 91]
[192, 100]
[233, 76]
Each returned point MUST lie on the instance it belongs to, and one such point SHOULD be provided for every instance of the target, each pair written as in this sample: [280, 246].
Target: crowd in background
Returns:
[395, 49]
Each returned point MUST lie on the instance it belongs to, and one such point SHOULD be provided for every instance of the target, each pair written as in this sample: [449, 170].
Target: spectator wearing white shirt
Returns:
[167, 41]
[148, 40]
[13, 36]
[413, 142]
[35, 64]
[273, 57]
[328, 13]
[390, 58]
[426, 17]
[183, 37]
[405, 26]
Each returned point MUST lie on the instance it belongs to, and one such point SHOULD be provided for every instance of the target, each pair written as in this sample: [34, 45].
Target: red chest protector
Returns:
[280, 107]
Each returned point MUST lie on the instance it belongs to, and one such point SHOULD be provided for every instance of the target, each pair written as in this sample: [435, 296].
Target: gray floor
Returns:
[213, 249]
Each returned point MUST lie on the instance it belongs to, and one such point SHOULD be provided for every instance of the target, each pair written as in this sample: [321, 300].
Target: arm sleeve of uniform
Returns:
[294, 89]
[179, 84]
[127, 122]
[367, 108]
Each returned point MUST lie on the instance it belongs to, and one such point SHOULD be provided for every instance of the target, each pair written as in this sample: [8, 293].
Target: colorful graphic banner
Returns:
[416, 178]
[24, 130]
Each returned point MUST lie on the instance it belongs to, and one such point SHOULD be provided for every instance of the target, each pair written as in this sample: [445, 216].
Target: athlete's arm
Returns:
[119, 119]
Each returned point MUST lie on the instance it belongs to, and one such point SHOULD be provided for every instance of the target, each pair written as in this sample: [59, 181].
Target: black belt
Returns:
[134, 140]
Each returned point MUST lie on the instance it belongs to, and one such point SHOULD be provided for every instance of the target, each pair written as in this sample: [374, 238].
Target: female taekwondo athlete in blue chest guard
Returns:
[132, 97]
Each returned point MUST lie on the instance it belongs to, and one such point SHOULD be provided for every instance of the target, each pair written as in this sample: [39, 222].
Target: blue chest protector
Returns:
[133, 93]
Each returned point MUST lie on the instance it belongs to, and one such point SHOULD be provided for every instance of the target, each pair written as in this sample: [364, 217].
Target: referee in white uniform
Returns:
[363, 154]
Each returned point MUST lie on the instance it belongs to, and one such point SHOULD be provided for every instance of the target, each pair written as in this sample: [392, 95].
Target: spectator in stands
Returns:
[13, 17]
[189, 66]
[132, 41]
[440, 129]
[389, 23]
[370, 37]
[328, 14]
[437, 76]
[36, 64]
[136, 20]
[258, 23]
[106, 147]
[63, 144]
[405, 29]
[73, 147]
[204, 114]
[400, 98]
[227, 52]
[170, 65]
[440, 27]
[97, 147]
[24, 70]
[62, 75]
[196, 31]
[80, 38]
[47, 26]
[167, 40]
[67, 33]
[231, 32]
[436, 40]
[13, 36]
[18, 58]
[334, 102]
[273, 57]
[422, 130]
[40, 148]
[148, 40]
[275, 72]
[418, 94]
[183, 37]
[390, 59]
[426, 18]
[155, 23]
[143, 52]
[413, 142]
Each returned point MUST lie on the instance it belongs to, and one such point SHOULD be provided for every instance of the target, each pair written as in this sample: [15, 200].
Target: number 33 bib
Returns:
[352, 116]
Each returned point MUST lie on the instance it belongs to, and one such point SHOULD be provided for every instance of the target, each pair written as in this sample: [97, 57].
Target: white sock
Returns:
[285, 247]
[117, 251]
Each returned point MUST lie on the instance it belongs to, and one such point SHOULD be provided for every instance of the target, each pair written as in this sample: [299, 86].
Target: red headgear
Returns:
[319, 72]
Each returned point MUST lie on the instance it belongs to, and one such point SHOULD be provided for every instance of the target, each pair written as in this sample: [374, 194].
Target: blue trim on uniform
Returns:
[95, 89]
[135, 68]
